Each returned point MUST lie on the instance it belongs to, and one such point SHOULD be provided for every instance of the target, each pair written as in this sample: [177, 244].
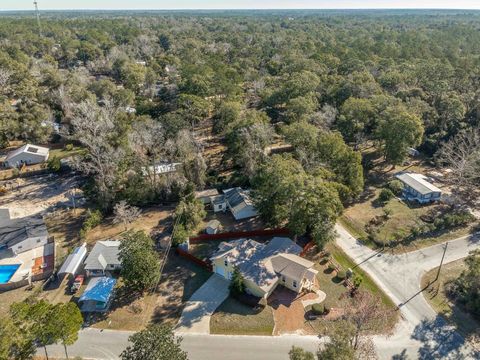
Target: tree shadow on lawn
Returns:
[441, 341]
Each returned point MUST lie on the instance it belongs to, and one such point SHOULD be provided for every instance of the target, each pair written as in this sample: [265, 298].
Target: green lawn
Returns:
[438, 300]
[63, 153]
[403, 217]
[235, 318]
[368, 284]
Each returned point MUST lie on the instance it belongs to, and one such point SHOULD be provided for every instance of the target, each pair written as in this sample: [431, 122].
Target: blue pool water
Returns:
[6, 272]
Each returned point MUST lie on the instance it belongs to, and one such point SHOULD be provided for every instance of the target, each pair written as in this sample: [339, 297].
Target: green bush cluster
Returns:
[386, 195]
[318, 309]
[444, 222]
[93, 219]
[54, 164]
[396, 186]
[341, 275]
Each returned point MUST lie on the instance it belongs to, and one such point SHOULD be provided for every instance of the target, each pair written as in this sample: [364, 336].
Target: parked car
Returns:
[79, 279]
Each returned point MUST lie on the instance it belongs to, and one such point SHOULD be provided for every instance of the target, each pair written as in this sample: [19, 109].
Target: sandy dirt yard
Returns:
[40, 194]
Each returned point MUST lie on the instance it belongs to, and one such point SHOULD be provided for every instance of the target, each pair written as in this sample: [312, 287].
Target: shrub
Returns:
[357, 281]
[69, 147]
[386, 195]
[180, 235]
[54, 164]
[93, 219]
[237, 286]
[341, 275]
[396, 186]
[331, 267]
[318, 309]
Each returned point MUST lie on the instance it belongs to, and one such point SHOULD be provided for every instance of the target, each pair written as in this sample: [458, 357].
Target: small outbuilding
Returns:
[237, 200]
[72, 264]
[212, 227]
[98, 295]
[28, 154]
[417, 188]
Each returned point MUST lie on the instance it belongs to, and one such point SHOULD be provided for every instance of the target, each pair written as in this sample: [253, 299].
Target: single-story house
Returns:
[236, 200]
[161, 169]
[27, 154]
[212, 227]
[72, 264]
[22, 234]
[97, 295]
[103, 258]
[205, 195]
[417, 188]
[265, 266]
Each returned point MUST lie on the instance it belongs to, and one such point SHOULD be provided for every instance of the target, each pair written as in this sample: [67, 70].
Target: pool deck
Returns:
[31, 261]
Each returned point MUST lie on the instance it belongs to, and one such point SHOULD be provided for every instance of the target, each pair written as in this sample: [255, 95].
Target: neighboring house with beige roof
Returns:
[265, 266]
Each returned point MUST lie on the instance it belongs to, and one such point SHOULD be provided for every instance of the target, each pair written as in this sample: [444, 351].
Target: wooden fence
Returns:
[238, 234]
[194, 259]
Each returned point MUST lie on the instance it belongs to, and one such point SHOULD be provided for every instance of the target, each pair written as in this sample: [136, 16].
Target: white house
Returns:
[236, 200]
[27, 154]
[417, 188]
[103, 258]
[161, 169]
[22, 234]
[265, 266]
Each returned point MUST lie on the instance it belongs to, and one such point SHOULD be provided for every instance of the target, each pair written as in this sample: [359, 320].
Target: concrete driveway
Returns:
[195, 318]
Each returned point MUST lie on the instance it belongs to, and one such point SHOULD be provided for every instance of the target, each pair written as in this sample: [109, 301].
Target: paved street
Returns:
[107, 345]
[399, 276]
[195, 317]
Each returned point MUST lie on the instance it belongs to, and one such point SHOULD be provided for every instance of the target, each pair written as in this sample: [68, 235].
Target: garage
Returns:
[220, 271]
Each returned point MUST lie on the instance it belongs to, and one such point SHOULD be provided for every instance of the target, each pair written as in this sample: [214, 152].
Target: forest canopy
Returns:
[149, 81]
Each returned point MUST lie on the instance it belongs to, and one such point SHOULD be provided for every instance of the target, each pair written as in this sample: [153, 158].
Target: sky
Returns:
[238, 4]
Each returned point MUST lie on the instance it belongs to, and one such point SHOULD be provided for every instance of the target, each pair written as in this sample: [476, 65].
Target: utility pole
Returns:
[38, 17]
[441, 261]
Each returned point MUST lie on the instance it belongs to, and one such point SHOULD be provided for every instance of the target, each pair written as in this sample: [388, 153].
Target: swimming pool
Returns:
[6, 272]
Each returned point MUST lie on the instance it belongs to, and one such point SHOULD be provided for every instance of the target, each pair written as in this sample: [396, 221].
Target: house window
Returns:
[220, 206]
[226, 263]
[38, 240]
[294, 284]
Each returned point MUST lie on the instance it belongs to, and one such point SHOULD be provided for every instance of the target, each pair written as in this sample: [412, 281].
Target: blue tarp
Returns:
[99, 289]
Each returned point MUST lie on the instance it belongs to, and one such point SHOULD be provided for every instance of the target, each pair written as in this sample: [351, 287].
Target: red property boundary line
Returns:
[237, 234]
[194, 259]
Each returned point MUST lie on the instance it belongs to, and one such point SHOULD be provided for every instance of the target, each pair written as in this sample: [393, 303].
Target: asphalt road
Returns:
[108, 344]
[421, 334]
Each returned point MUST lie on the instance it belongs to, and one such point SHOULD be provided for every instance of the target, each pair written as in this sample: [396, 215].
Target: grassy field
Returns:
[367, 284]
[402, 217]
[438, 300]
[235, 318]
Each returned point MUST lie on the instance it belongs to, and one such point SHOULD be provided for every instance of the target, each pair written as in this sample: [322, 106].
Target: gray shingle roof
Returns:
[254, 260]
[103, 254]
[418, 183]
[14, 231]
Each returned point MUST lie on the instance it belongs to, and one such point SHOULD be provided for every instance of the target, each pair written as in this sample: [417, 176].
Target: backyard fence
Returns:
[238, 234]
[194, 259]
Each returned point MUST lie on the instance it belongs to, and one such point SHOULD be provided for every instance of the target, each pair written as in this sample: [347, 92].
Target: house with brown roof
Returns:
[265, 266]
